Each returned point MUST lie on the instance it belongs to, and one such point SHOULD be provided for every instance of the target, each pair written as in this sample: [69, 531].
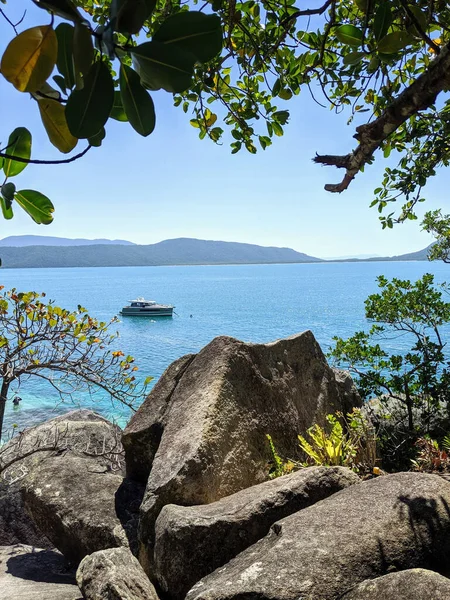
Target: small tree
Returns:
[70, 350]
[419, 378]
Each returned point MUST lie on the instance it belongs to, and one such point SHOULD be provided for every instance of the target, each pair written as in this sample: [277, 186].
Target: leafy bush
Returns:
[412, 388]
[347, 441]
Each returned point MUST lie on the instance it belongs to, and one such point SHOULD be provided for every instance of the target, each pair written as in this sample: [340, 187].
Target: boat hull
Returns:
[147, 312]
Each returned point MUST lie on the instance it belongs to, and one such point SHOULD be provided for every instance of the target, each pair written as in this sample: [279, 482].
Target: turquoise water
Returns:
[255, 303]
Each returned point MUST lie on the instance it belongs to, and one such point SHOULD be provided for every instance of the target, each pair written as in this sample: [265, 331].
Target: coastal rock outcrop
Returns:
[222, 404]
[29, 573]
[191, 542]
[16, 526]
[72, 500]
[399, 521]
[143, 433]
[69, 471]
[77, 433]
[412, 584]
[114, 574]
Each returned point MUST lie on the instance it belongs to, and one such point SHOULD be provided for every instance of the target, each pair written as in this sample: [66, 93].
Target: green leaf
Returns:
[132, 14]
[65, 33]
[30, 58]
[6, 208]
[196, 32]
[353, 58]
[421, 18]
[394, 42]
[7, 196]
[83, 52]
[53, 117]
[8, 190]
[164, 66]
[97, 139]
[349, 34]
[281, 116]
[137, 102]
[285, 94]
[63, 8]
[36, 205]
[117, 111]
[19, 144]
[87, 110]
[382, 20]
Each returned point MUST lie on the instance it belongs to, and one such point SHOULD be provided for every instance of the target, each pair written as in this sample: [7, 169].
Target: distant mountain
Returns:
[419, 255]
[181, 251]
[44, 240]
[353, 257]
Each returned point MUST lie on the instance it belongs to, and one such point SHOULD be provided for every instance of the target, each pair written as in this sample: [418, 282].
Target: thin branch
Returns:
[13, 25]
[31, 161]
[417, 25]
[308, 12]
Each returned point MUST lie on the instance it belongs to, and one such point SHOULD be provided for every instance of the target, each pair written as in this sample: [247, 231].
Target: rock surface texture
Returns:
[70, 474]
[73, 502]
[143, 434]
[399, 521]
[114, 575]
[215, 415]
[413, 584]
[191, 542]
[16, 527]
[28, 573]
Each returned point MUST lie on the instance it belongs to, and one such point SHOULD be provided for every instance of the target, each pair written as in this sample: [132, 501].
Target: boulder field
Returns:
[180, 505]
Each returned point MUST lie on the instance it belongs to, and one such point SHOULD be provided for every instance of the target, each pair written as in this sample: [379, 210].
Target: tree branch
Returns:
[420, 95]
[31, 161]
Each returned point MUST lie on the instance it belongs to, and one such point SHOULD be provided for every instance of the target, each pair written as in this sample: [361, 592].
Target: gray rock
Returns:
[28, 573]
[72, 500]
[399, 521]
[143, 433]
[16, 526]
[191, 542]
[228, 398]
[413, 584]
[114, 575]
[78, 433]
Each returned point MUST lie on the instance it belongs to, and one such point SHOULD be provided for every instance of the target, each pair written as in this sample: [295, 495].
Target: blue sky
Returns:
[172, 184]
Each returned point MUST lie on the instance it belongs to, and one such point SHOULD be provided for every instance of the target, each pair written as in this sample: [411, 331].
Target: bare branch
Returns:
[30, 161]
[420, 95]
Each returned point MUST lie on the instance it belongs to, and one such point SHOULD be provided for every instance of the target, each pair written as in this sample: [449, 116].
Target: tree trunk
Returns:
[3, 399]
[409, 406]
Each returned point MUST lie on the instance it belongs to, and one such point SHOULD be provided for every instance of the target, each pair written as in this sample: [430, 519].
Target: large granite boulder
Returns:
[16, 526]
[114, 575]
[399, 521]
[69, 471]
[222, 404]
[73, 500]
[29, 573]
[77, 433]
[412, 584]
[143, 433]
[191, 542]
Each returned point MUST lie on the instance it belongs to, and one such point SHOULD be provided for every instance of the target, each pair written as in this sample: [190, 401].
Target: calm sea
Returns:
[255, 303]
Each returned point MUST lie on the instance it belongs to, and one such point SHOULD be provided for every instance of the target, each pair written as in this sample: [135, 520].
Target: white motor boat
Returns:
[146, 308]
